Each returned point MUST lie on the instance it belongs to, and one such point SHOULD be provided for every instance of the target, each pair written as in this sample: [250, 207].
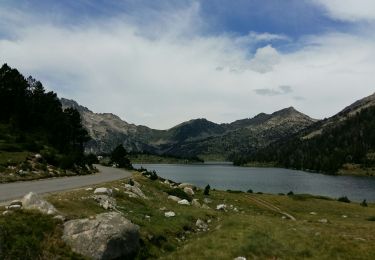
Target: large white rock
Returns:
[201, 224]
[174, 198]
[104, 191]
[34, 201]
[221, 207]
[189, 191]
[184, 202]
[169, 214]
[108, 236]
[183, 185]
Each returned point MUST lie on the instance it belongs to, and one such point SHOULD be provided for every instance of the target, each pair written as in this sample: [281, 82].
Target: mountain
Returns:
[197, 137]
[344, 143]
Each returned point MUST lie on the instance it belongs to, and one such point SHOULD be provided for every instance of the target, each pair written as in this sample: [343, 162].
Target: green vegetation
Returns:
[33, 122]
[254, 230]
[206, 191]
[32, 235]
[119, 157]
[350, 142]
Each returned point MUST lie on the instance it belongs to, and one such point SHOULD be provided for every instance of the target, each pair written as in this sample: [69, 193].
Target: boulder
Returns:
[189, 191]
[15, 202]
[136, 190]
[14, 207]
[240, 258]
[323, 220]
[107, 236]
[104, 191]
[169, 214]
[184, 202]
[174, 198]
[34, 201]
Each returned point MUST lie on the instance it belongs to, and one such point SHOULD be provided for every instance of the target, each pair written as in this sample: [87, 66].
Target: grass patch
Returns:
[31, 235]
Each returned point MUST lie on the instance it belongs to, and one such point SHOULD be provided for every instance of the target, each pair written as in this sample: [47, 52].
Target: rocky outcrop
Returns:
[107, 236]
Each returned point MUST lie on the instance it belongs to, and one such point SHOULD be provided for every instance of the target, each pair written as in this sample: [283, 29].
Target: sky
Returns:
[159, 63]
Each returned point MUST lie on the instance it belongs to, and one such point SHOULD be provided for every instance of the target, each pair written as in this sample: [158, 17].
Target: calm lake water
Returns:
[268, 180]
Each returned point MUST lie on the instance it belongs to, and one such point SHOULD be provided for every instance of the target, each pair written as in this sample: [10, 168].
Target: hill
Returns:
[344, 143]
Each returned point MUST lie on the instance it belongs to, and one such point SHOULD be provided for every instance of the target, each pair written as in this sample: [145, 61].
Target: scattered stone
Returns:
[360, 239]
[323, 220]
[240, 258]
[33, 201]
[59, 217]
[196, 203]
[15, 202]
[174, 198]
[201, 224]
[89, 189]
[312, 213]
[184, 202]
[189, 191]
[107, 236]
[169, 214]
[105, 201]
[38, 156]
[163, 209]
[135, 190]
[221, 207]
[235, 209]
[104, 191]
[7, 212]
[344, 216]
[131, 194]
[167, 182]
[207, 200]
[209, 221]
[14, 207]
[183, 185]
[147, 217]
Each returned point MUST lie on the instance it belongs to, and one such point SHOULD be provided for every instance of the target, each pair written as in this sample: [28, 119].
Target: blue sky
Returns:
[218, 59]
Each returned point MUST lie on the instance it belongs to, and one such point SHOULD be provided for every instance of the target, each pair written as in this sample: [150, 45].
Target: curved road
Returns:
[15, 190]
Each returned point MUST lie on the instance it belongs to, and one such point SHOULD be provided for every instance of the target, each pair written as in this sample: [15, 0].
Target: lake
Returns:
[267, 180]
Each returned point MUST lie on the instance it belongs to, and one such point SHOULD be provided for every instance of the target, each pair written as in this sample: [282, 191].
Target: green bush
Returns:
[344, 199]
[207, 190]
[179, 193]
[364, 203]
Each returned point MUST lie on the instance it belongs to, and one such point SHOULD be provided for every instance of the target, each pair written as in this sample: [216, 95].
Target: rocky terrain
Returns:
[198, 137]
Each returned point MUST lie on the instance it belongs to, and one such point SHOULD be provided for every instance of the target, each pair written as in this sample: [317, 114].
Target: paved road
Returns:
[15, 190]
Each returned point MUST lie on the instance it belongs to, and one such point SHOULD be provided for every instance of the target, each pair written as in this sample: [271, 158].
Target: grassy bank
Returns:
[254, 225]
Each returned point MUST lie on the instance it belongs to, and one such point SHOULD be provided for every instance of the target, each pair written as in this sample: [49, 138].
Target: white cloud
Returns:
[169, 71]
[349, 10]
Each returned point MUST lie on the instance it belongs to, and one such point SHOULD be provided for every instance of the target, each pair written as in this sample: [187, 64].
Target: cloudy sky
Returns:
[160, 62]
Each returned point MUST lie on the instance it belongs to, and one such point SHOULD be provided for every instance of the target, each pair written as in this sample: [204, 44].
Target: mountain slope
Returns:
[198, 137]
[340, 143]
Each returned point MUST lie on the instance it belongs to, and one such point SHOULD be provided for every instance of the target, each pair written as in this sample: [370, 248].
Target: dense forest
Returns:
[32, 119]
[351, 141]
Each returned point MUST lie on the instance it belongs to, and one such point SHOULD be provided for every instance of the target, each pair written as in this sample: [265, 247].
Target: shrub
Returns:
[249, 191]
[344, 199]
[371, 218]
[364, 203]
[179, 193]
[290, 193]
[207, 190]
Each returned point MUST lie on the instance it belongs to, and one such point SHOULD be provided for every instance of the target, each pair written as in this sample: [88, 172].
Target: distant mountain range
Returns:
[198, 137]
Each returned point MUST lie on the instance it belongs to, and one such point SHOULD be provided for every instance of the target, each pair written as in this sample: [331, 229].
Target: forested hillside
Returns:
[347, 142]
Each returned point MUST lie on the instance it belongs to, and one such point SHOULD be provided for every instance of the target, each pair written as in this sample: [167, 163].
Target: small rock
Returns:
[205, 206]
[15, 202]
[174, 198]
[33, 201]
[221, 207]
[166, 182]
[207, 200]
[184, 202]
[38, 156]
[169, 214]
[104, 191]
[312, 213]
[14, 207]
[105, 201]
[189, 191]
[360, 239]
[147, 217]
[135, 190]
[89, 189]
[240, 258]
[183, 185]
[195, 203]
[201, 224]
[163, 209]
[344, 216]
[323, 220]
[59, 217]
[7, 212]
